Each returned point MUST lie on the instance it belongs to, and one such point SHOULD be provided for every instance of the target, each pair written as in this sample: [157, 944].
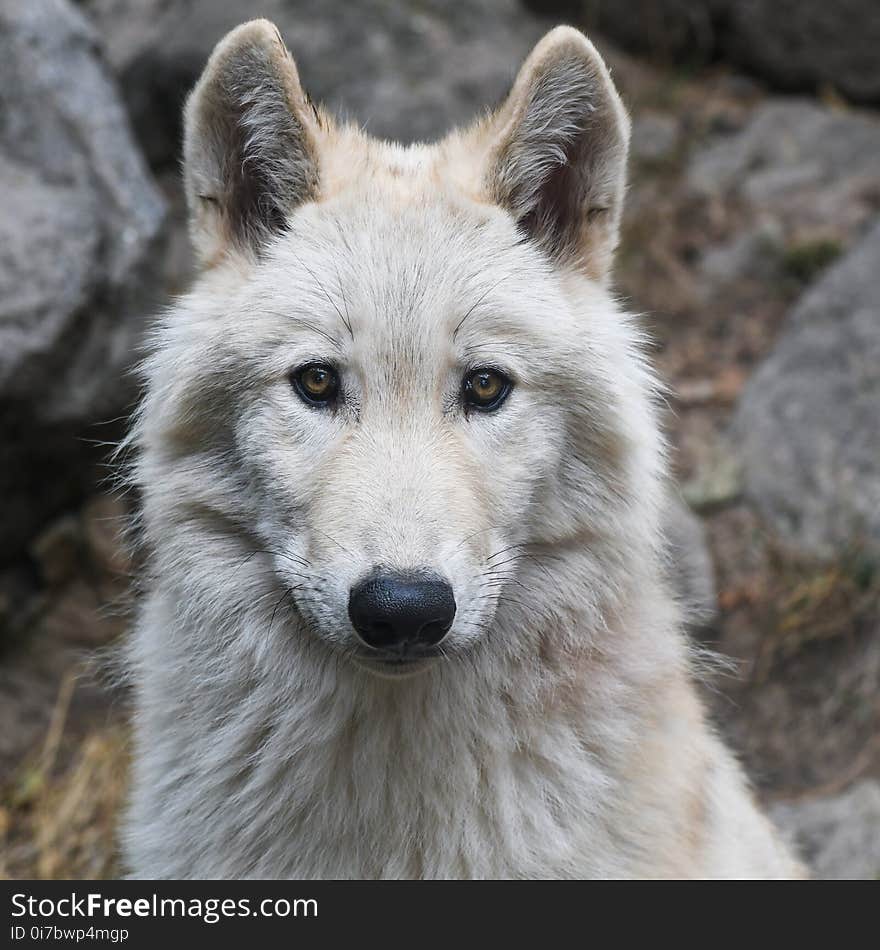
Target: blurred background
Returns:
[751, 246]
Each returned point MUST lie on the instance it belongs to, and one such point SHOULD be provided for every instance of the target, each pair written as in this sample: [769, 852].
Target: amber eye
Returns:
[316, 383]
[485, 389]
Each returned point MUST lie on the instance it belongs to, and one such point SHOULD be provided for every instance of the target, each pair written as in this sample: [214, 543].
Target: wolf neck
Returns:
[478, 767]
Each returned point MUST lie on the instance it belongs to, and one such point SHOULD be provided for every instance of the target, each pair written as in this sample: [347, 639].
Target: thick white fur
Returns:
[560, 736]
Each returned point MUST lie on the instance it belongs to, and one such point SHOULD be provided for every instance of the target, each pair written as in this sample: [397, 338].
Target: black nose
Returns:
[400, 610]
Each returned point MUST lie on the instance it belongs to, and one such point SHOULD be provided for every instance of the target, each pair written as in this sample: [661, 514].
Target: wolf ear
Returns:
[557, 158]
[250, 143]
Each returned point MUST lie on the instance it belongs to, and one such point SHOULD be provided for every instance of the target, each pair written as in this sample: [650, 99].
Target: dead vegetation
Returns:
[60, 821]
[803, 708]
[811, 602]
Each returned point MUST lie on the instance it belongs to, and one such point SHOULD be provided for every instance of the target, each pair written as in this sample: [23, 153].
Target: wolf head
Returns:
[399, 417]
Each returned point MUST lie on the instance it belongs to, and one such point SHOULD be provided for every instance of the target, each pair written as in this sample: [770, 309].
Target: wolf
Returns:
[406, 613]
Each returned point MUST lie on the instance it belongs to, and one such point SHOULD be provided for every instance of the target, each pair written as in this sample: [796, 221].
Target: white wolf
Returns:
[402, 472]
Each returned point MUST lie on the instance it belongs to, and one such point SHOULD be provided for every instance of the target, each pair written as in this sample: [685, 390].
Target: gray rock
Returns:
[655, 138]
[797, 184]
[689, 563]
[79, 221]
[805, 44]
[406, 71]
[754, 253]
[808, 418]
[839, 836]
[793, 44]
[813, 168]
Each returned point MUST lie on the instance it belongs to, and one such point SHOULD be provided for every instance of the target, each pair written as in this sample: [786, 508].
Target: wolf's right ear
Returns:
[250, 143]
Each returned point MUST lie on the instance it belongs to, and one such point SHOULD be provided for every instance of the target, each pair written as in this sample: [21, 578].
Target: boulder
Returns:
[795, 45]
[792, 149]
[655, 138]
[79, 225]
[800, 181]
[807, 44]
[808, 418]
[839, 835]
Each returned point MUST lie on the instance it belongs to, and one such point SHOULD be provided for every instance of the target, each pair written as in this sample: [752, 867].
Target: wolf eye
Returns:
[485, 389]
[316, 383]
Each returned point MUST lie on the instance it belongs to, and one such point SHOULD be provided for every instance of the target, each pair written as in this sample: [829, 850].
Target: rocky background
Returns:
[751, 246]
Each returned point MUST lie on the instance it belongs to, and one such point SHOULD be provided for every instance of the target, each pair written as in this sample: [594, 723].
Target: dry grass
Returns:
[804, 709]
[809, 602]
[60, 822]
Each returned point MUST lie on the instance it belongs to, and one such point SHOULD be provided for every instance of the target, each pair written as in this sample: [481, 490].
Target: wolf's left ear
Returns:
[250, 143]
[557, 152]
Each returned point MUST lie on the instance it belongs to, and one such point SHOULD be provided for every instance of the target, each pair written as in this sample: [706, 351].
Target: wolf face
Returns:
[400, 386]
[395, 492]
[401, 474]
